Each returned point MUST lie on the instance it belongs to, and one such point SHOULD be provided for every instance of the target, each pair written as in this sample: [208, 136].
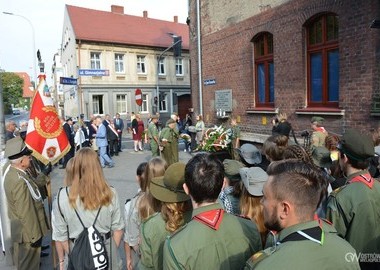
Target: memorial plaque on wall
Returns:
[223, 100]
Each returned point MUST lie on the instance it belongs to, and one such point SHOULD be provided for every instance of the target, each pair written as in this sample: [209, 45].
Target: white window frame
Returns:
[95, 60]
[122, 103]
[119, 63]
[141, 65]
[161, 67]
[179, 67]
[95, 104]
[164, 104]
[145, 103]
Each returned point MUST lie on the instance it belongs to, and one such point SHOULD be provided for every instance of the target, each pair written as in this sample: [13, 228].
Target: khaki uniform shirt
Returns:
[27, 215]
[354, 209]
[153, 133]
[197, 246]
[330, 253]
[170, 151]
[318, 138]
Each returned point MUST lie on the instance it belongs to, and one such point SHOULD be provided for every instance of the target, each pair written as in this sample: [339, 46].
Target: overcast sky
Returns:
[16, 39]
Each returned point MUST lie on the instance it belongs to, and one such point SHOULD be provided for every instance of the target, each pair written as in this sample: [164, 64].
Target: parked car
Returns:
[16, 112]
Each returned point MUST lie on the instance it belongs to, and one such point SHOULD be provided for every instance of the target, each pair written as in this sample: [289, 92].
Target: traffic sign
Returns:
[94, 72]
[138, 97]
[68, 81]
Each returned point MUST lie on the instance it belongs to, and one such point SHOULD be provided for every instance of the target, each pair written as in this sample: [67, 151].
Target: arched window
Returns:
[323, 61]
[264, 70]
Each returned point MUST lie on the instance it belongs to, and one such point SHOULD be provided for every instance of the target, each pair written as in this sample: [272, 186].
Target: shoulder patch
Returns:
[256, 259]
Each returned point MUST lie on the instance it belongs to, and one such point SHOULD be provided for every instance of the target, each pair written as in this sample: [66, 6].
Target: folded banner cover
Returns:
[45, 135]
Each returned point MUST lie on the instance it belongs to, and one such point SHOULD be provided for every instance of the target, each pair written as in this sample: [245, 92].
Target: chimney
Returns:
[176, 19]
[117, 9]
[145, 14]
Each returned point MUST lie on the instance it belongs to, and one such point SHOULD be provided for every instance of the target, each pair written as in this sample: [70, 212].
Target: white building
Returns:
[116, 54]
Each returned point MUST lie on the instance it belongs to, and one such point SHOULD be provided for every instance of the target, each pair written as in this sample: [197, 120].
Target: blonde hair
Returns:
[88, 181]
[251, 207]
[282, 117]
[173, 214]
[69, 173]
[148, 205]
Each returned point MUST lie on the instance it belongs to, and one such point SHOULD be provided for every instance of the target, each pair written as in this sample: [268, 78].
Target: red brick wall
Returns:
[227, 57]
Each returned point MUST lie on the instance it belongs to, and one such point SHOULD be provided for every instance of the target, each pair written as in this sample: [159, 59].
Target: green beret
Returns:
[231, 169]
[317, 119]
[357, 146]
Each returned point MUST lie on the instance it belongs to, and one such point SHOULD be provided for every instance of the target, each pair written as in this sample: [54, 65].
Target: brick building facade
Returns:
[231, 34]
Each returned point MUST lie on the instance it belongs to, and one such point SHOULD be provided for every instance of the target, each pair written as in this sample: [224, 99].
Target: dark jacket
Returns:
[282, 128]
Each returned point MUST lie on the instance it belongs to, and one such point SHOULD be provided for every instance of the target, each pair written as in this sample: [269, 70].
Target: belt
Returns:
[100, 137]
[105, 237]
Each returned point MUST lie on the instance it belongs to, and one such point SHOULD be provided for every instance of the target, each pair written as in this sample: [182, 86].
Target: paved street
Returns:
[122, 177]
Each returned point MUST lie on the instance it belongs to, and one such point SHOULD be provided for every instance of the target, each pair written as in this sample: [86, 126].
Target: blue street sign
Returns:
[69, 81]
[94, 72]
[209, 82]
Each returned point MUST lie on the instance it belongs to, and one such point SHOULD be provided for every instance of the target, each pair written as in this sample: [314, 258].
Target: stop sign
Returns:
[138, 97]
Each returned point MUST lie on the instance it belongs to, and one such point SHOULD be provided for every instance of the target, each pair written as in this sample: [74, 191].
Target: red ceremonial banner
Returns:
[45, 135]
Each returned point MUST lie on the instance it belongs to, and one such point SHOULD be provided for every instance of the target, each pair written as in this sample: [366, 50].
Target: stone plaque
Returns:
[223, 100]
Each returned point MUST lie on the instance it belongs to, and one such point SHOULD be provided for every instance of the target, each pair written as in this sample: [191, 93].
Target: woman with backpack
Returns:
[88, 207]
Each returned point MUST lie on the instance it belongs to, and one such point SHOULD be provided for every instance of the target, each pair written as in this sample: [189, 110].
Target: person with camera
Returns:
[281, 126]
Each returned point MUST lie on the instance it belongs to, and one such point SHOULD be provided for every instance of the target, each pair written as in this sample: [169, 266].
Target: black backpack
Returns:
[89, 251]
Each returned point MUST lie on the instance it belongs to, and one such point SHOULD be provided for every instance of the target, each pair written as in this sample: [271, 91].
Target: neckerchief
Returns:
[321, 129]
[365, 179]
[314, 234]
[211, 218]
[225, 200]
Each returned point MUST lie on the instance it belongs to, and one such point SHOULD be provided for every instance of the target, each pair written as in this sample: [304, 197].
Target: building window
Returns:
[141, 64]
[121, 103]
[95, 60]
[163, 103]
[179, 67]
[119, 63]
[323, 61]
[264, 70]
[161, 66]
[145, 103]
[97, 104]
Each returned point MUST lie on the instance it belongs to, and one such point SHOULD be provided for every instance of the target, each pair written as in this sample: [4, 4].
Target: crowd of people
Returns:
[279, 206]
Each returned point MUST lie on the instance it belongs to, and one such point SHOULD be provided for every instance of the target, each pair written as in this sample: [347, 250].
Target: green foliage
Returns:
[12, 90]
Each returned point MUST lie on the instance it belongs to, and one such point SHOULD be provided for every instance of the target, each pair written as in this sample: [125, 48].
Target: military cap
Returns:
[254, 179]
[16, 148]
[69, 119]
[169, 188]
[356, 146]
[321, 157]
[317, 119]
[250, 153]
[154, 117]
[170, 121]
[231, 169]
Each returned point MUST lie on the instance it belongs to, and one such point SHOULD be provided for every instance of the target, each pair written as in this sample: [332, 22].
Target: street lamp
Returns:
[34, 43]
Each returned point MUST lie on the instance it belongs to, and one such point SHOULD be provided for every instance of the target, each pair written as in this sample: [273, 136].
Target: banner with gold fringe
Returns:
[45, 135]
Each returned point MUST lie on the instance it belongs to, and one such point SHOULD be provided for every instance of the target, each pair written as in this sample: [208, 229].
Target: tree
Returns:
[12, 90]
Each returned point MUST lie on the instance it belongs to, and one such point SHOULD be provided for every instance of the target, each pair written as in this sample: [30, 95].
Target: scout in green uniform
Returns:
[153, 136]
[25, 207]
[169, 140]
[175, 212]
[291, 195]
[354, 209]
[235, 138]
[318, 137]
[213, 239]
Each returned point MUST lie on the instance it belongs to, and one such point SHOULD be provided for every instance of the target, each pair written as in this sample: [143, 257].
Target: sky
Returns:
[46, 16]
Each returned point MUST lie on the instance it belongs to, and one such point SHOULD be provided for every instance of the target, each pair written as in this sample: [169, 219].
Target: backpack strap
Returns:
[294, 135]
[96, 218]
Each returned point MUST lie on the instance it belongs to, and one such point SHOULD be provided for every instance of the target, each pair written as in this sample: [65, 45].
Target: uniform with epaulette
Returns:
[169, 140]
[310, 245]
[354, 209]
[213, 239]
[153, 137]
[25, 208]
